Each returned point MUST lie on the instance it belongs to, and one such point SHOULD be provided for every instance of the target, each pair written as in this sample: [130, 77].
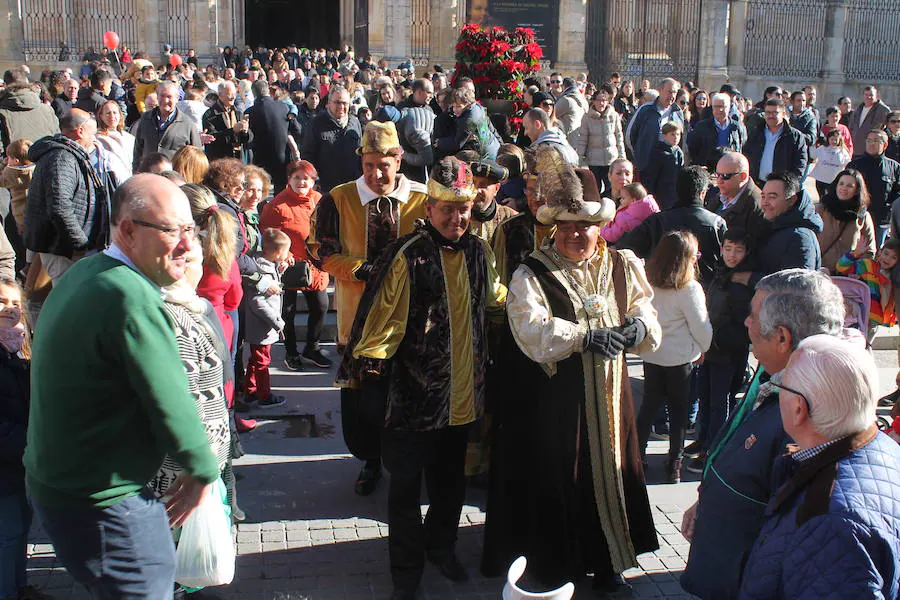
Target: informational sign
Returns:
[540, 15]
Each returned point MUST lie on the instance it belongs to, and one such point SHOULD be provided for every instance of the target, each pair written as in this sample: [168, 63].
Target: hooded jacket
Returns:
[23, 115]
[471, 130]
[570, 110]
[61, 211]
[791, 241]
[556, 139]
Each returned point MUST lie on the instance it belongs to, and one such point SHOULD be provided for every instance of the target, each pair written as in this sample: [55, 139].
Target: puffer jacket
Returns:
[791, 241]
[23, 115]
[600, 139]
[415, 129]
[263, 313]
[14, 392]
[832, 529]
[570, 110]
[629, 217]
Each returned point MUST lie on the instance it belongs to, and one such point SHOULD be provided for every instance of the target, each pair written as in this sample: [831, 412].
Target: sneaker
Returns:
[271, 401]
[315, 356]
[889, 400]
[693, 450]
[696, 465]
[244, 425]
[292, 362]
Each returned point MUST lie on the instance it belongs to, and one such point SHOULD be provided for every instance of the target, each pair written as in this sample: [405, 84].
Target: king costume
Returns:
[420, 344]
[567, 485]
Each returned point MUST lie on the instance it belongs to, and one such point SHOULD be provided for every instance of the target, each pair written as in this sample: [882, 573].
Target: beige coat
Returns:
[600, 140]
[835, 239]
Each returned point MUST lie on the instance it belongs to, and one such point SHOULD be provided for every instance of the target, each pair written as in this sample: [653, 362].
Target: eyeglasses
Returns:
[726, 176]
[795, 392]
[556, 81]
[571, 227]
[894, 121]
[546, 103]
[171, 232]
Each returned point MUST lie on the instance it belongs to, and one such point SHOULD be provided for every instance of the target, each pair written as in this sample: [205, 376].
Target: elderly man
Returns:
[117, 372]
[787, 307]
[64, 101]
[66, 213]
[869, 115]
[331, 140]
[646, 125]
[574, 307]
[719, 131]
[422, 93]
[351, 227]
[791, 241]
[831, 525]
[164, 129]
[739, 200]
[226, 124]
[882, 177]
[429, 298]
[777, 147]
[537, 126]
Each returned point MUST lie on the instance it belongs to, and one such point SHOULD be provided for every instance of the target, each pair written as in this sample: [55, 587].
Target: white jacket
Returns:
[686, 330]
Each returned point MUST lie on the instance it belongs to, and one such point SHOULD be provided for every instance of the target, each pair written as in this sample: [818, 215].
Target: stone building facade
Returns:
[837, 45]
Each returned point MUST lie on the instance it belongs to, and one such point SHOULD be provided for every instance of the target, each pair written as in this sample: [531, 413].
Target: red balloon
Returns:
[111, 40]
[175, 60]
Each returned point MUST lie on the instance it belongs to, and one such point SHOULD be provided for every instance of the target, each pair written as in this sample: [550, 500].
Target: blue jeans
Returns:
[124, 551]
[15, 521]
[881, 233]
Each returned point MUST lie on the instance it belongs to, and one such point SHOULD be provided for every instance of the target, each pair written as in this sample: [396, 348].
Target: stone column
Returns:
[12, 37]
[347, 20]
[571, 35]
[377, 15]
[396, 31]
[737, 25]
[712, 68]
[833, 78]
[444, 30]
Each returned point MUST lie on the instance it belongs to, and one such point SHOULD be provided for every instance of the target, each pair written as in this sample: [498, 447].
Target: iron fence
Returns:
[80, 24]
[644, 39]
[420, 30]
[785, 38]
[872, 40]
[178, 25]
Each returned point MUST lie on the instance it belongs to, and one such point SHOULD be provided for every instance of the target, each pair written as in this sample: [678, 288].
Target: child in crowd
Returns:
[830, 159]
[15, 511]
[722, 372]
[635, 205]
[16, 177]
[264, 323]
[686, 334]
[877, 275]
[665, 162]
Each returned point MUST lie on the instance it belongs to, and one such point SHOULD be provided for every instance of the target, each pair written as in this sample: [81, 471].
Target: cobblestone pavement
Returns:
[308, 537]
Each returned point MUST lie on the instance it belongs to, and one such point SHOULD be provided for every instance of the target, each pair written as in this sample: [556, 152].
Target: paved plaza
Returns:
[309, 537]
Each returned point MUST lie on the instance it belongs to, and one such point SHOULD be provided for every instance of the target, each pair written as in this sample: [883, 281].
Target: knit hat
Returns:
[538, 97]
[570, 194]
[387, 113]
[380, 138]
[489, 169]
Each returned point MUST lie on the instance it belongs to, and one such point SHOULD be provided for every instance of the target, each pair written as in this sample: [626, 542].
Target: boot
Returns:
[673, 470]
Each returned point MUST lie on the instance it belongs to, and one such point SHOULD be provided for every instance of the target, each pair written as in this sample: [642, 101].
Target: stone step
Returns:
[329, 330]
[886, 338]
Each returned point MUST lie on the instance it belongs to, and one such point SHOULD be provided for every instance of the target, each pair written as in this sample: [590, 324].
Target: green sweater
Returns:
[109, 395]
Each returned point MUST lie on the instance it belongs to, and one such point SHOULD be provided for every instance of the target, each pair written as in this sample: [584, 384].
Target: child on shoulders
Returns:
[635, 206]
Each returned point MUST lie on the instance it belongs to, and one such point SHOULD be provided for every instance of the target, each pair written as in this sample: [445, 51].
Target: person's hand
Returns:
[688, 520]
[240, 126]
[206, 138]
[742, 278]
[185, 496]
[700, 360]
[633, 331]
[608, 343]
[282, 266]
[291, 261]
[363, 272]
[273, 290]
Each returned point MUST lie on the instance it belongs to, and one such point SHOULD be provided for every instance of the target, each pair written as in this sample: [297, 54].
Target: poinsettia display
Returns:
[497, 60]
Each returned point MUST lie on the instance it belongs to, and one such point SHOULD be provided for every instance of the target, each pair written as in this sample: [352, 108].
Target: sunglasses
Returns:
[894, 121]
[546, 103]
[725, 176]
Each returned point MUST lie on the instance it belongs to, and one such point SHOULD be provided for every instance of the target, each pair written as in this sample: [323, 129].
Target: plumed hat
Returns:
[569, 194]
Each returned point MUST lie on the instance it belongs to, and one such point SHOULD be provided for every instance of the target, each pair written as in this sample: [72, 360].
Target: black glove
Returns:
[633, 330]
[608, 343]
[363, 272]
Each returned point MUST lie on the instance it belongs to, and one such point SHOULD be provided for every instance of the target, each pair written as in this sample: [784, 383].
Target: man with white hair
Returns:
[831, 526]
[716, 132]
[225, 123]
[788, 307]
[164, 129]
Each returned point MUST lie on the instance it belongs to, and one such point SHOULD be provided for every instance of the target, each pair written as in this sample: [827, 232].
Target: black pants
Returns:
[601, 174]
[316, 305]
[362, 418]
[670, 386]
[441, 456]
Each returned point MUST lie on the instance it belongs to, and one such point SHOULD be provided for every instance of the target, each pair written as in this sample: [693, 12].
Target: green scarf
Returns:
[740, 415]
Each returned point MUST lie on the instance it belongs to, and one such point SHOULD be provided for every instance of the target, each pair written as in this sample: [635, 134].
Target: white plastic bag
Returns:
[205, 553]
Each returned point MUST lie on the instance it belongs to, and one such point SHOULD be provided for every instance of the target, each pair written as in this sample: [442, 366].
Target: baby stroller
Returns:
[857, 300]
[512, 592]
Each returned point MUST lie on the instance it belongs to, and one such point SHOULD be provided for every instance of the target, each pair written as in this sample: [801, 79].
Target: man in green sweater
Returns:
[109, 399]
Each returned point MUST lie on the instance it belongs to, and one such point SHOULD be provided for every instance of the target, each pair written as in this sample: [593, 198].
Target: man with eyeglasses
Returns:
[882, 177]
[871, 114]
[788, 307]
[739, 199]
[331, 140]
[646, 125]
[755, 120]
[777, 147]
[66, 213]
[556, 85]
[110, 400]
[893, 132]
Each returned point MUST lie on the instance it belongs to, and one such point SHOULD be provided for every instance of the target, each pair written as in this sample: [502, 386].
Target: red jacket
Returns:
[224, 295]
[290, 213]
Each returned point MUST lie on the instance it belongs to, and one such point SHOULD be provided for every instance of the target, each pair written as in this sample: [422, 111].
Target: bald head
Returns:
[732, 173]
[80, 127]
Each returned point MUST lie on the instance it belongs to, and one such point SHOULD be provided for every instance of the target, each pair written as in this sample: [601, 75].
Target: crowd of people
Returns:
[489, 283]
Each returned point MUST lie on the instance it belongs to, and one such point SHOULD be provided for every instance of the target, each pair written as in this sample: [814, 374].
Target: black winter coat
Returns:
[728, 304]
[882, 177]
[661, 173]
[791, 241]
[332, 149]
[270, 126]
[226, 139]
[790, 152]
[14, 394]
[704, 139]
[89, 100]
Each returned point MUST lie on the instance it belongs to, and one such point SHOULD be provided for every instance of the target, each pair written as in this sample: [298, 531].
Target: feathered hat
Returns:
[569, 194]
[462, 189]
